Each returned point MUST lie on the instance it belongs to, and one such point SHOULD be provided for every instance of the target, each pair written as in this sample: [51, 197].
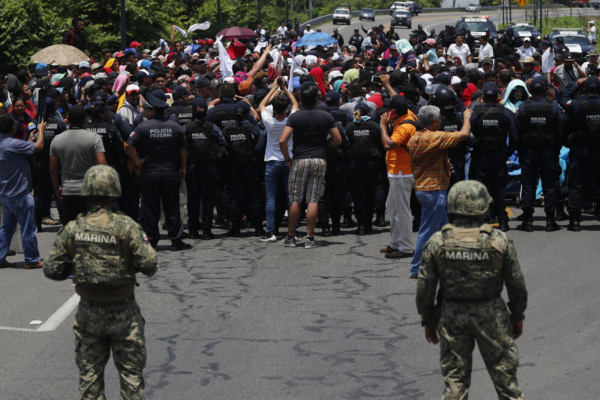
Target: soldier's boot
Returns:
[178, 245]
[380, 219]
[335, 228]
[325, 229]
[503, 225]
[348, 221]
[38, 224]
[561, 215]
[551, 225]
[574, 225]
[369, 225]
[521, 217]
[235, 229]
[360, 231]
[207, 234]
[527, 224]
[258, 229]
[194, 234]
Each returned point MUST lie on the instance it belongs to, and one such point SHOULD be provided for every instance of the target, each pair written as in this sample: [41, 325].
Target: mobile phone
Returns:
[376, 79]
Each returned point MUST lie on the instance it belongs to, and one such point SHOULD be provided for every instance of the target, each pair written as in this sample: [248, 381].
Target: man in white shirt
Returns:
[591, 65]
[460, 50]
[526, 50]
[282, 29]
[547, 59]
[486, 49]
[307, 30]
[591, 29]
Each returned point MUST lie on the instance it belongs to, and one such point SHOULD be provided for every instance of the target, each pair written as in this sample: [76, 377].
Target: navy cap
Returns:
[332, 97]
[538, 84]
[444, 78]
[476, 95]
[180, 90]
[50, 104]
[199, 106]
[243, 107]
[307, 84]
[202, 82]
[363, 108]
[259, 95]
[100, 106]
[400, 104]
[113, 75]
[100, 96]
[322, 107]
[154, 101]
[490, 89]
[592, 82]
[142, 73]
[160, 95]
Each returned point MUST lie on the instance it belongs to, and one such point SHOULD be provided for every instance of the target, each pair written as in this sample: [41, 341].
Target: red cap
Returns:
[210, 42]
[135, 44]
[285, 53]
[118, 54]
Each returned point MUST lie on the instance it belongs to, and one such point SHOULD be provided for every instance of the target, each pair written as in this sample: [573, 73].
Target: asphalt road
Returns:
[240, 319]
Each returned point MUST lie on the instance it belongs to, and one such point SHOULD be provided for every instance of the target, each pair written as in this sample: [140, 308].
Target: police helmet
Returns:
[335, 30]
[101, 180]
[443, 98]
[432, 31]
[469, 198]
[420, 26]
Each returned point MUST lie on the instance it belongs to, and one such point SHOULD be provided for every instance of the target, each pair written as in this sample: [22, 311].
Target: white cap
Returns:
[132, 88]
[335, 57]
[300, 71]
[591, 22]
[100, 75]
[229, 79]
[455, 80]
[299, 58]
[84, 64]
[335, 74]
[527, 39]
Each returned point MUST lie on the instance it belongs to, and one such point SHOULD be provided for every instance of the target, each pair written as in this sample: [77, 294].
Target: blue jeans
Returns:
[19, 209]
[433, 217]
[276, 172]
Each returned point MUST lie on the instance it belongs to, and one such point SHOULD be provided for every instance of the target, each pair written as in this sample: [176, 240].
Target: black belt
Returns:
[107, 303]
[159, 169]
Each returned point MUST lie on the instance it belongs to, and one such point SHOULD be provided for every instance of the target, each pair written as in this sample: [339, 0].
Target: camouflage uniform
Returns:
[472, 262]
[103, 251]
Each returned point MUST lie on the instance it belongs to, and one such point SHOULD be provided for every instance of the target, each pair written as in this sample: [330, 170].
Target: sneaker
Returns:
[311, 243]
[268, 237]
[289, 243]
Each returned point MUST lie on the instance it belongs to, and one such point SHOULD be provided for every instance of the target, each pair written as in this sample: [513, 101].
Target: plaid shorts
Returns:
[307, 180]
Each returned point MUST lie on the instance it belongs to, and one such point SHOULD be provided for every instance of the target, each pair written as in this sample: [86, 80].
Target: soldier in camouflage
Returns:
[103, 251]
[472, 262]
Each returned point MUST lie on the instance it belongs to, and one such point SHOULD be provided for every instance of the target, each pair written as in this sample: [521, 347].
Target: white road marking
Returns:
[9, 328]
[36, 322]
[59, 316]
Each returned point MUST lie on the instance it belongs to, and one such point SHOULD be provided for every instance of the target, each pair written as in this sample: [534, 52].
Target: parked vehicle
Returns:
[477, 27]
[523, 30]
[342, 15]
[473, 8]
[580, 3]
[595, 4]
[414, 8]
[576, 41]
[402, 18]
[367, 13]
[398, 5]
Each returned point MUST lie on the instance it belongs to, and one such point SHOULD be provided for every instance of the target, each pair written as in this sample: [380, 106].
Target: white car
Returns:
[397, 6]
[342, 15]
[473, 8]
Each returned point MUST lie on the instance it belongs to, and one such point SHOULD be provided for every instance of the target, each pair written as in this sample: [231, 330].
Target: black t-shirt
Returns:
[80, 40]
[311, 127]
[158, 139]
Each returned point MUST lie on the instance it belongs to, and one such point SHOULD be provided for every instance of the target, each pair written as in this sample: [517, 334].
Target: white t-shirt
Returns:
[547, 61]
[281, 30]
[525, 52]
[486, 51]
[461, 52]
[274, 130]
[592, 35]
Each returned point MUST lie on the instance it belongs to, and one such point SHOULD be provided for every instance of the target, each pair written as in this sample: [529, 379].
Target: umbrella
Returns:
[60, 54]
[237, 33]
[316, 39]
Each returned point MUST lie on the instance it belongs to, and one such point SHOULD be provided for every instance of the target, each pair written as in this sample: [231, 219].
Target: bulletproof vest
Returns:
[334, 155]
[340, 117]
[182, 113]
[224, 118]
[489, 128]
[103, 129]
[453, 124]
[52, 129]
[98, 252]
[470, 263]
[200, 143]
[240, 143]
[538, 126]
[363, 138]
[588, 124]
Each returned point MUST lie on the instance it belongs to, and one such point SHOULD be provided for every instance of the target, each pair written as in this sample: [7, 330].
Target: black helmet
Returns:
[335, 30]
[420, 26]
[443, 98]
[432, 31]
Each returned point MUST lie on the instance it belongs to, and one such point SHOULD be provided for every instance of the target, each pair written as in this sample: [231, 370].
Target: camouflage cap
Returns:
[101, 180]
[469, 198]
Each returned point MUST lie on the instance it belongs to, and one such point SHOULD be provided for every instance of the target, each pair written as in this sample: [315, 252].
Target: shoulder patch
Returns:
[145, 237]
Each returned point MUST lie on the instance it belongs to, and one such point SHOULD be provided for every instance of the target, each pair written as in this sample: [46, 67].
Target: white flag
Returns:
[226, 61]
[291, 79]
[181, 30]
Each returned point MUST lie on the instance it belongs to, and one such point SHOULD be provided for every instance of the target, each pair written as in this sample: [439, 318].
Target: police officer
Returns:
[452, 121]
[117, 120]
[108, 317]
[206, 148]
[584, 143]
[472, 262]
[540, 140]
[338, 37]
[491, 123]
[180, 107]
[204, 88]
[363, 161]
[421, 34]
[44, 189]
[331, 203]
[158, 94]
[356, 40]
[163, 150]
[244, 171]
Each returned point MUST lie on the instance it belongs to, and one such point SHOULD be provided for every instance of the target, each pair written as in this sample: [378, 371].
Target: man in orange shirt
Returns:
[400, 175]
[428, 150]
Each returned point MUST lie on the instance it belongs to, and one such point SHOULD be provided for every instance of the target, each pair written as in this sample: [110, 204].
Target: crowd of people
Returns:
[337, 134]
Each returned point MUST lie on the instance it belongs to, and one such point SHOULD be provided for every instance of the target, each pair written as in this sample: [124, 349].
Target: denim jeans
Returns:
[276, 172]
[433, 217]
[19, 209]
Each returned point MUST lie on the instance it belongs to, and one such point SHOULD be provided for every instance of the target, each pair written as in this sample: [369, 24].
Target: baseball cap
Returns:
[487, 60]
[243, 107]
[84, 64]
[41, 66]
[536, 55]
[159, 94]
[132, 88]
[96, 65]
[455, 80]
[142, 73]
[490, 89]
[50, 104]
[199, 105]
[476, 95]
[363, 108]
[593, 52]
[443, 77]
[333, 75]
[568, 57]
[393, 47]
[134, 44]
[592, 82]
[538, 84]
[100, 106]
[559, 57]
[332, 97]
[152, 101]
[118, 54]
[527, 39]
[202, 82]
[100, 97]
[180, 90]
